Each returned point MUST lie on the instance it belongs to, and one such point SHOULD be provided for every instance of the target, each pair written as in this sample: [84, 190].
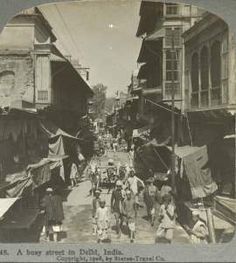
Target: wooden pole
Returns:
[210, 224]
[172, 114]
[234, 181]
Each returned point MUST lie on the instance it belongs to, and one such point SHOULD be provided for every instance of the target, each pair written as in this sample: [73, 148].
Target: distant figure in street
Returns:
[94, 176]
[131, 152]
[54, 214]
[166, 188]
[151, 199]
[133, 182]
[73, 174]
[117, 206]
[103, 222]
[167, 218]
[199, 232]
[95, 205]
[115, 144]
[130, 214]
[122, 173]
[111, 174]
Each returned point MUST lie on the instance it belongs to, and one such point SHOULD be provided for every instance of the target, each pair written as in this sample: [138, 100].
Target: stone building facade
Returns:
[16, 78]
[33, 72]
[210, 85]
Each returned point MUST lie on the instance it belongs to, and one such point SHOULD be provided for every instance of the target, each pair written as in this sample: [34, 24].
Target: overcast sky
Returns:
[101, 35]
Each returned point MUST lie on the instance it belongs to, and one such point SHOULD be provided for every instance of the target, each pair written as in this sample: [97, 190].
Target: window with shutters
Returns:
[216, 73]
[204, 77]
[173, 35]
[172, 62]
[7, 83]
[172, 9]
[43, 95]
[195, 80]
[225, 70]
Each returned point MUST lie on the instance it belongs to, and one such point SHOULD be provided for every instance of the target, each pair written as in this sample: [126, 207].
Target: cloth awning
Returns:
[219, 221]
[226, 207]
[5, 205]
[142, 133]
[150, 50]
[35, 176]
[230, 136]
[132, 98]
[53, 131]
[191, 162]
[136, 90]
[157, 90]
[218, 115]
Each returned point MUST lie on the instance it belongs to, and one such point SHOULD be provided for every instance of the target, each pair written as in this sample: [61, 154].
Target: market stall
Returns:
[23, 220]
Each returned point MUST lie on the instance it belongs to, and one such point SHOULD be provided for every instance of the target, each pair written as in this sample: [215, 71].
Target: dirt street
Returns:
[77, 226]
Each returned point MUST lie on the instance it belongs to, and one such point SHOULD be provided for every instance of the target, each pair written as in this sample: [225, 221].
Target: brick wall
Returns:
[16, 79]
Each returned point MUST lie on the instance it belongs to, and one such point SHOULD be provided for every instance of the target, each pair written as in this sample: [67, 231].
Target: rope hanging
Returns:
[160, 106]
[189, 130]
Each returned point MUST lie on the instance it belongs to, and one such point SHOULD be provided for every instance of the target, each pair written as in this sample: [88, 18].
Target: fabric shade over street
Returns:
[16, 189]
[60, 142]
[36, 175]
[5, 205]
[191, 163]
[226, 206]
[53, 131]
[219, 222]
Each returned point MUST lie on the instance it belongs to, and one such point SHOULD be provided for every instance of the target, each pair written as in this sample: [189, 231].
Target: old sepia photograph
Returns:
[117, 124]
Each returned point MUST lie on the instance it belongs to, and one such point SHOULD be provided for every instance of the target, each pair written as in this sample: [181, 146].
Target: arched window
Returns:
[216, 73]
[204, 76]
[195, 79]
[7, 83]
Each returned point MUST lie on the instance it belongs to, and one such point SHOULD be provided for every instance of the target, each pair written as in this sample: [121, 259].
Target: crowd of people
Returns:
[131, 194]
[126, 200]
[128, 196]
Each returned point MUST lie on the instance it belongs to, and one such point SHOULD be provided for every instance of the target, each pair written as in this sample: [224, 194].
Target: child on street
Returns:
[130, 214]
[103, 222]
[95, 205]
[167, 218]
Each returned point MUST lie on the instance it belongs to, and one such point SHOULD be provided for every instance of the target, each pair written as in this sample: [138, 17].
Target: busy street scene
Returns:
[118, 129]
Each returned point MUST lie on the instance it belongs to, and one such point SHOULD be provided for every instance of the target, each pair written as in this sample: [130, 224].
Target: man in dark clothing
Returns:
[54, 214]
[117, 206]
[151, 199]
